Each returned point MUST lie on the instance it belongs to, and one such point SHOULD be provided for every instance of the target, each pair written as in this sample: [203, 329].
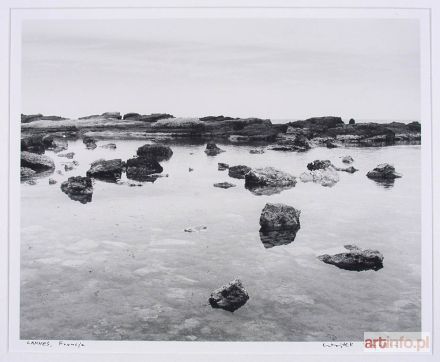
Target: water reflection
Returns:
[267, 190]
[277, 237]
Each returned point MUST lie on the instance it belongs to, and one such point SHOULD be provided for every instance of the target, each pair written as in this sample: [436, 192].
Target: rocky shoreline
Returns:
[298, 135]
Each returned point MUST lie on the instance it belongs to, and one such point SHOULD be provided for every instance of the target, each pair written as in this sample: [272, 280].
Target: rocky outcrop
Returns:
[319, 165]
[36, 162]
[279, 224]
[355, 259]
[224, 185]
[78, 188]
[142, 169]
[347, 159]
[351, 121]
[115, 115]
[216, 118]
[108, 170]
[90, 143]
[229, 297]
[331, 144]
[155, 151]
[238, 171]
[26, 173]
[317, 126]
[222, 166]
[294, 140]
[383, 171]
[109, 146]
[27, 118]
[153, 117]
[33, 144]
[268, 181]
[212, 149]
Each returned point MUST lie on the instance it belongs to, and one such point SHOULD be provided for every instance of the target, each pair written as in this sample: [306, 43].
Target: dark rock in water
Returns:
[90, 143]
[229, 297]
[224, 185]
[268, 181]
[318, 126]
[351, 121]
[155, 151]
[216, 118]
[52, 181]
[257, 151]
[142, 169]
[356, 259]
[109, 170]
[331, 144]
[347, 159]
[212, 149]
[319, 165]
[195, 229]
[26, 173]
[115, 115]
[36, 162]
[131, 116]
[238, 171]
[31, 182]
[69, 166]
[350, 169]
[383, 171]
[222, 166]
[33, 144]
[68, 155]
[78, 188]
[293, 140]
[279, 217]
[109, 146]
[190, 169]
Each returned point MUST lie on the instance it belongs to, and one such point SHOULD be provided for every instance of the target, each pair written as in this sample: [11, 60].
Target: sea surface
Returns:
[122, 268]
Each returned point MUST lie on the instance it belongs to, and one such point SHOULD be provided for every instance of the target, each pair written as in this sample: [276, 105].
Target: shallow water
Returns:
[122, 268]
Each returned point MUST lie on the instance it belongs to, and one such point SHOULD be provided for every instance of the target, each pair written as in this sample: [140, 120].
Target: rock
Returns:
[326, 177]
[69, 166]
[257, 151]
[195, 229]
[52, 181]
[189, 125]
[78, 188]
[26, 118]
[229, 297]
[36, 162]
[110, 170]
[224, 185]
[350, 169]
[31, 182]
[115, 115]
[351, 121]
[318, 126]
[293, 141]
[109, 146]
[190, 169]
[238, 171]
[347, 159]
[268, 181]
[222, 166]
[216, 118]
[319, 165]
[142, 169]
[26, 173]
[331, 144]
[68, 155]
[90, 143]
[33, 144]
[356, 259]
[155, 151]
[212, 149]
[133, 116]
[383, 171]
[414, 126]
[154, 117]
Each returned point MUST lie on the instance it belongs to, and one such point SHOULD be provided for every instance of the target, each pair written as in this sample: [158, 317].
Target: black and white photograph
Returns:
[222, 179]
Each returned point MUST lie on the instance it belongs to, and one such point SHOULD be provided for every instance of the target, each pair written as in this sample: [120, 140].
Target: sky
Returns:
[365, 69]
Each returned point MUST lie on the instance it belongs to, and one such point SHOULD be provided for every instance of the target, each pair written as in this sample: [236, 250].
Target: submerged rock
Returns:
[109, 146]
[36, 162]
[195, 229]
[383, 171]
[356, 259]
[142, 169]
[222, 166]
[90, 143]
[68, 155]
[224, 185]
[268, 181]
[212, 149]
[78, 188]
[110, 170]
[238, 171]
[229, 297]
[347, 159]
[52, 181]
[155, 151]
[26, 172]
[69, 166]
